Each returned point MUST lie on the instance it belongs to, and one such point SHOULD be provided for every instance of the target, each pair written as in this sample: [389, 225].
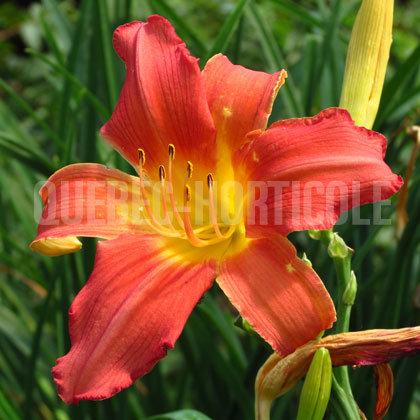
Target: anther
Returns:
[171, 150]
[189, 169]
[210, 180]
[162, 173]
[142, 157]
[153, 222]
[187, 193]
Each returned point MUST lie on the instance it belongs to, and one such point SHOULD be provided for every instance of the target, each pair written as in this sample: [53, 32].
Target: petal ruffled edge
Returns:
[163, 100]
[240, 99]
[312, 170]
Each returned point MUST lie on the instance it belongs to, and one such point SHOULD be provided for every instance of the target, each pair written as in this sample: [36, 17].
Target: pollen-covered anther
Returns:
[162, 173]
[142, 157]
[171, 151]
[210, 180]
[187, 193]
[189, 169]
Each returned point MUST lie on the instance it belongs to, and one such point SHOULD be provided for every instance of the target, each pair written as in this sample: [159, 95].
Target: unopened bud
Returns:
[306, 260]
[316, 389]
[349, 294]
[367, 59]
[314, 234]
[337, 248]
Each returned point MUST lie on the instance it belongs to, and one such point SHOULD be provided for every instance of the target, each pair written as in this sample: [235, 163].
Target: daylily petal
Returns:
[240, 99]
[87, 200]
[277, 293]
[315, 169]
[384, 389]
[163, 99]
[128, 315]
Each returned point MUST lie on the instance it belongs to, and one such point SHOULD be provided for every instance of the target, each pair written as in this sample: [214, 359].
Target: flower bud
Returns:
[306, 260]
[314, 234]
[367, 59]
[349, 294]
[337, 248]
[317, 387]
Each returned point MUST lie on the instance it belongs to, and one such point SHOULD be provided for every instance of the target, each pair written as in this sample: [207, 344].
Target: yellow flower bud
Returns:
[53, 247]
[367, 59]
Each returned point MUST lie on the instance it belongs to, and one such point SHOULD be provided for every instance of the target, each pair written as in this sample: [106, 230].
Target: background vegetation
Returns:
[60, 80]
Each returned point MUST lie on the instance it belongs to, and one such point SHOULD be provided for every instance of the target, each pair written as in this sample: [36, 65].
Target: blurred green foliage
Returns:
[59, 82]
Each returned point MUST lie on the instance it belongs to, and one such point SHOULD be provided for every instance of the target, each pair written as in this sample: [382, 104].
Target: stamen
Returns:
[154, 222]
[209, 234]
[213, 210]
[162, 176]
[191, 233]
[171, 149]
[187, 223]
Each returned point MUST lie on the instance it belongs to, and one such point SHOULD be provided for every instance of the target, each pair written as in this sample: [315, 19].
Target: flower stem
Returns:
[343, 395]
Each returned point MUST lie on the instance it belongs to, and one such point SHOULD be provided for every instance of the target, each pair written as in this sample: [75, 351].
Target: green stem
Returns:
[342, 403]
[342, 388]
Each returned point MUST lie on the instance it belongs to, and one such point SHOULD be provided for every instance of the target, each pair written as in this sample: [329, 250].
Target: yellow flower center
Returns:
[181, 227]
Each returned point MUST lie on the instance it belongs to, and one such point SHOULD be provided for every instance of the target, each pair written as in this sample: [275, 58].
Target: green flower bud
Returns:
[337, 248]
[316, 389]
[314, 234]
[306, 260]
[349, 294]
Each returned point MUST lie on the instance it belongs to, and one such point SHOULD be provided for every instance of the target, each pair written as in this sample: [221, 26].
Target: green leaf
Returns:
[225, 34]
[83, 90]
[25, 154]
[394, 86]
[28, 109]
[276, 61]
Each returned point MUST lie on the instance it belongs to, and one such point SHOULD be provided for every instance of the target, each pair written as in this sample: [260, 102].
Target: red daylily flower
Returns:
[362, 348]
[153, 269]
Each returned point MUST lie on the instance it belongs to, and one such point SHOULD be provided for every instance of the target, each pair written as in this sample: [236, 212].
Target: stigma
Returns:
[179, 225]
